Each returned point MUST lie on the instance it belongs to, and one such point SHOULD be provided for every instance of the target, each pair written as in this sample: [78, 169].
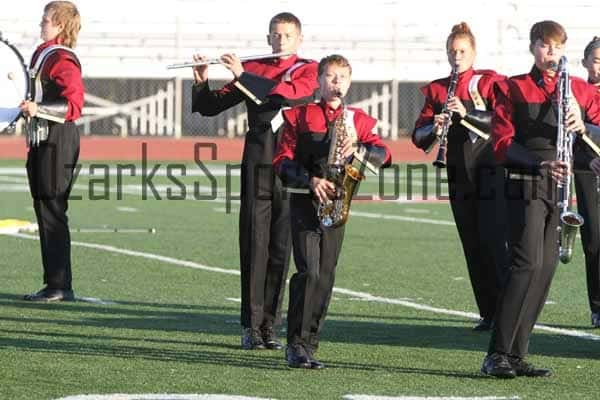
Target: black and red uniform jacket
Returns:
[303, 149]
[63, 90]
[436, 93]
[299, 90]
[524, 126]
[582, 153]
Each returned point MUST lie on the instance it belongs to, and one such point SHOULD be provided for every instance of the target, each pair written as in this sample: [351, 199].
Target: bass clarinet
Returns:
[570, 221]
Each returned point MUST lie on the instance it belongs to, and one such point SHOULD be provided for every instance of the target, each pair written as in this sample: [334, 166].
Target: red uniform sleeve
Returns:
[303, 83]
[66, 73]
[365, 125]
[286, 146]
[487, 87]
[591, 103]
[503, 130]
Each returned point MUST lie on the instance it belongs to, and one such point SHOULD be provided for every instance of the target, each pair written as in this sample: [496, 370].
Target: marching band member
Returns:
[524, 130]
[474, 179]
[265, 86]
[54, 142]
[588, 198]
[303, 155]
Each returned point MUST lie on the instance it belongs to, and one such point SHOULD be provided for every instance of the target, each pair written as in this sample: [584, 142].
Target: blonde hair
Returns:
[460, 30]
[334, 59]
[66, 14]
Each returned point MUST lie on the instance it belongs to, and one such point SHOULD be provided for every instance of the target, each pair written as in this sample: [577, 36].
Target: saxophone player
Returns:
[301, 160]
[524, 132]
[474, 179]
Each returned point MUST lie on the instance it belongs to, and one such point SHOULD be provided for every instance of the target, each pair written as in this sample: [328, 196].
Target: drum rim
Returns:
[25, 71]
[17, 52]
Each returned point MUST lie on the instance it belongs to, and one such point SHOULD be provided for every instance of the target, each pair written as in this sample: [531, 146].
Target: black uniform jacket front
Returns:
[524, 126]
[298, 89]
[459, 154]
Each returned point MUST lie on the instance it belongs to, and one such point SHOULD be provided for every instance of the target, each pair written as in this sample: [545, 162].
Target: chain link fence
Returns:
[134, 107]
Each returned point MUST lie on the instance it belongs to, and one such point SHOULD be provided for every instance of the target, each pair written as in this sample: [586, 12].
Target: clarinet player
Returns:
[474, 179]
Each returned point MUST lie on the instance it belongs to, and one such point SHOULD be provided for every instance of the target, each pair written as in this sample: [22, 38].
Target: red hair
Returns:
[461, 30]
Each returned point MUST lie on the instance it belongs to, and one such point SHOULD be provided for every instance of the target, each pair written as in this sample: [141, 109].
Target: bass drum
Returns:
[14, 84]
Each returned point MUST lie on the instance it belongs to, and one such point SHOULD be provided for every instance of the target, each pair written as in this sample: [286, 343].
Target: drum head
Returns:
[14, 84]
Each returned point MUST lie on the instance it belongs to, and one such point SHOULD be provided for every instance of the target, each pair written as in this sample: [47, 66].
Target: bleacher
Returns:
[385, 40]
[388, 42]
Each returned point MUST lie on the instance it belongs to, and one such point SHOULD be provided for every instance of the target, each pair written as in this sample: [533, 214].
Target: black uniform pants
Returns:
[479, 210]
[533, 241]
[316, 252]
[50, 171]
[587, 186]
[264, 235]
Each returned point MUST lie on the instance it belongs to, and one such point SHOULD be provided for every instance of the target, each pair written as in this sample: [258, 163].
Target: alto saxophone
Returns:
[345, 177]
[570, 221]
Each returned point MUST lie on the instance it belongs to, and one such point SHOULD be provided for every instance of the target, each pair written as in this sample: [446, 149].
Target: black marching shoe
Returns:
[484, 324]
[252, 340]
[296, 356]
[314, 363]
[497, 364]
[48, 295]
[596, 320]
[523, 368]
[270, 339]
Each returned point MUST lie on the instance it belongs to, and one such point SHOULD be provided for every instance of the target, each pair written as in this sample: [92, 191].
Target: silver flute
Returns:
[218, 60]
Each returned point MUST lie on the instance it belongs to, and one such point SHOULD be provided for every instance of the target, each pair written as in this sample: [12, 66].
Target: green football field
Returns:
[159, 313]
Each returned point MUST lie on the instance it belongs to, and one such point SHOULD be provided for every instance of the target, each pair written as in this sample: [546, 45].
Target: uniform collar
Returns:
[281, 63]
[41, 48]
[466, 75]
[542, 79]
[48, 44]
[596, 85]
[330, 113]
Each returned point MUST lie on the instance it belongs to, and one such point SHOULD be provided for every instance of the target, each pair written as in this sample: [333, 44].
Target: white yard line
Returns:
[19, 185]
[370, 397]
[99, 170]
[163, 396]
[215, 170]
[352, 293]
[401, 218]
[95, 300]
[12, 184]
[127, 209]
[118, 396]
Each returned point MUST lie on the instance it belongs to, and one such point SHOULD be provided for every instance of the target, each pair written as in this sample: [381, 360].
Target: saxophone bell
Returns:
[570, 222]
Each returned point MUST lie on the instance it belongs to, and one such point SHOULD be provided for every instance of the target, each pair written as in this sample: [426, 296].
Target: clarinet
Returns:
[440, 160]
